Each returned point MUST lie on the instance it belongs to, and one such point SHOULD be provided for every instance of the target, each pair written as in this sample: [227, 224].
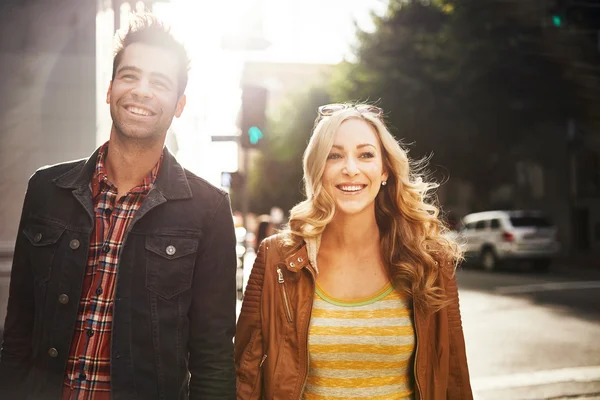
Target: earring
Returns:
[383, 183]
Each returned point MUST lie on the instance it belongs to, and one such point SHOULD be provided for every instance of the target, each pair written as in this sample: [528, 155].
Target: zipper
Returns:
[288, 313]
[419, 393]
[262, 361]
[307, 329]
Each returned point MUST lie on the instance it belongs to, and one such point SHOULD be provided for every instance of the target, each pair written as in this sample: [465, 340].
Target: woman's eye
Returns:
[333, 156]
[367, 155]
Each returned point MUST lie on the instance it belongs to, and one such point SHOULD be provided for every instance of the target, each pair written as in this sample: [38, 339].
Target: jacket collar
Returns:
[305, 256]
[171, 180]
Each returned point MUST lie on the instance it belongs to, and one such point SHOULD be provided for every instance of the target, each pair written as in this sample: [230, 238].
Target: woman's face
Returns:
[354, 168]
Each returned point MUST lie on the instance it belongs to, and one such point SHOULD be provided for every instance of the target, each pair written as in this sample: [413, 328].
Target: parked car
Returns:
[493, 238]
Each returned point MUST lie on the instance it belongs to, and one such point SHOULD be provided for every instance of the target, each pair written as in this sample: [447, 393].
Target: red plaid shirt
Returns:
[87, 375]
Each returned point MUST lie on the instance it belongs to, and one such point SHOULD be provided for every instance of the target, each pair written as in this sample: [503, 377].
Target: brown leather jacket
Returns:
[271, 344]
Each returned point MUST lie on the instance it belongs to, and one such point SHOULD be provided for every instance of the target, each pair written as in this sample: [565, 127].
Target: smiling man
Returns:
[123, 278]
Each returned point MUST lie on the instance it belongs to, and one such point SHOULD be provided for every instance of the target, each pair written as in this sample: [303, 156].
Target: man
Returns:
[123, 279]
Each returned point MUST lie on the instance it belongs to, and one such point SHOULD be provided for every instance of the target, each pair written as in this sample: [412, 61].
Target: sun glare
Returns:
[213, 89]
[214, 34]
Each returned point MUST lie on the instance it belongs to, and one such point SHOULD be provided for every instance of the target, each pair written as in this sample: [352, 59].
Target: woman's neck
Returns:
[349, 233]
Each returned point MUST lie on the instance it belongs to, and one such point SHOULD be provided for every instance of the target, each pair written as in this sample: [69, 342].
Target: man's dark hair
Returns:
[147, 29]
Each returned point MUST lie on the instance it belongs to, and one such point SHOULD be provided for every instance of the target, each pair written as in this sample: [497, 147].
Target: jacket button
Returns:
[171, 250]
[37, 237]
[53, 352]
[63, 299]
[74, 244]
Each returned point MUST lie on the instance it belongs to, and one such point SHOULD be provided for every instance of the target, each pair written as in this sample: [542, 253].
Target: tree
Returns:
[467, 80]
[480, 84]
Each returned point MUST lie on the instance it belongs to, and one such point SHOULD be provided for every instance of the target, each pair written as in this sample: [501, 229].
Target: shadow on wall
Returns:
[68, 103]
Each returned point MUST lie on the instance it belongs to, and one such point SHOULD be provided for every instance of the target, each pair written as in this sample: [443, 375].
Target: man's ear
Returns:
[180, 105]
[108, 92]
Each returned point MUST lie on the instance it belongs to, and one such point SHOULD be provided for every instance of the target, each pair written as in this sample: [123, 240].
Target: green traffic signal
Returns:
[254, 134]
[557, 20]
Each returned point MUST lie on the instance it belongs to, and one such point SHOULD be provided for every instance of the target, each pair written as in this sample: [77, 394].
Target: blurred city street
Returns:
[528, 335]
[532, 336]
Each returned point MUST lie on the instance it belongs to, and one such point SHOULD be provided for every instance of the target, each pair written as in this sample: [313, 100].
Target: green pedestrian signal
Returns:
[253, 119]
[254, 134]
[557, 20]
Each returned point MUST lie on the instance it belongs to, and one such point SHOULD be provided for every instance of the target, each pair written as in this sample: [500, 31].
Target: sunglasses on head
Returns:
[330, 109]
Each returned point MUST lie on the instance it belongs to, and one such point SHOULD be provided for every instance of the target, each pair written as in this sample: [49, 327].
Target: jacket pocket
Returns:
[43, 238]
[170, 264]
[249, 375]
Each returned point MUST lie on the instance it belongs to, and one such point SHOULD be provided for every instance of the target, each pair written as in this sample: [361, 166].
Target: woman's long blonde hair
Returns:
[412, 244]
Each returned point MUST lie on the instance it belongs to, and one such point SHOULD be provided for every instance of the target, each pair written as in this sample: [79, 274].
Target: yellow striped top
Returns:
[361, 349]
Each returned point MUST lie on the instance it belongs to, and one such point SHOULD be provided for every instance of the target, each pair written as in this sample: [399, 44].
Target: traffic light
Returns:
[253, 118]
[557, 20]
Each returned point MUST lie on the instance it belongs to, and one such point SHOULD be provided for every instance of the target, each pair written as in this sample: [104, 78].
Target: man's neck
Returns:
[128, 163]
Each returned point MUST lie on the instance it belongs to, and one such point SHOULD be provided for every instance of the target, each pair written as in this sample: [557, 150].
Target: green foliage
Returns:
[466, 80]
[481, 84]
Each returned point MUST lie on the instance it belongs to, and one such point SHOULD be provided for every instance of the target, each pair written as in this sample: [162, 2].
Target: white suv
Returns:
[492, 237]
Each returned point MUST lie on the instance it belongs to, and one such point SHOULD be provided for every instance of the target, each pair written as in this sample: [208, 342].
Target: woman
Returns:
[357, 298]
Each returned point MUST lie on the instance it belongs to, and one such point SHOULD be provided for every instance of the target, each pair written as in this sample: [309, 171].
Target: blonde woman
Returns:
[357, 298]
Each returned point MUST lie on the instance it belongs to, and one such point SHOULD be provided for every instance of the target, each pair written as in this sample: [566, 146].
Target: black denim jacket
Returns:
[174, 315]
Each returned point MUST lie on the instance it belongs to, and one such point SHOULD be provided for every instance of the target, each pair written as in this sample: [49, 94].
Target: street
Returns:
[532, 336]
[528, 335]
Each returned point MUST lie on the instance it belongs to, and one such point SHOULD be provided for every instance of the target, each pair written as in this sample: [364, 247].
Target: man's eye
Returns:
[159, 84]
[128, 76]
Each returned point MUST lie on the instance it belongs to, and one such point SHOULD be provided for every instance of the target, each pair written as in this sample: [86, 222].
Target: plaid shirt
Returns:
[87, 375]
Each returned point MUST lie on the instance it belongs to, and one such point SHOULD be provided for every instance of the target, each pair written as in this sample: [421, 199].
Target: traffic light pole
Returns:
[245, 197]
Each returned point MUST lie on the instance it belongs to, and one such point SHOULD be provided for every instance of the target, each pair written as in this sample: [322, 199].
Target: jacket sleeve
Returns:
[212, 313]
[459, 385]
[15, 356]
[249, 338]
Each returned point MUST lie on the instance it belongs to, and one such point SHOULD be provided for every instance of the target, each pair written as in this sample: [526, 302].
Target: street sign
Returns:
[225, 138]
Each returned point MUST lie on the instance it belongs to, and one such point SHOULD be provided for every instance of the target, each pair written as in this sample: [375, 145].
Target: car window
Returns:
[526, 221]
[495, 224]
[480, 225]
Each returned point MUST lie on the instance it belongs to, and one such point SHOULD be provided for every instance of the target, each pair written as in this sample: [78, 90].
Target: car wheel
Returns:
[488, 260]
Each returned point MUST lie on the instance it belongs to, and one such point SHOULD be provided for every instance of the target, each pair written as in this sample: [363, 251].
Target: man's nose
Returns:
[142, 89]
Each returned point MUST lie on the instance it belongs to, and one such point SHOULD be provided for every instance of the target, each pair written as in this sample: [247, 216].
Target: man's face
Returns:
[143, 95]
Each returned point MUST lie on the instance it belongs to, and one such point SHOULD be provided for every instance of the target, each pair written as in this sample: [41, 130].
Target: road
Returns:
[529, 336]
[532, 336]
